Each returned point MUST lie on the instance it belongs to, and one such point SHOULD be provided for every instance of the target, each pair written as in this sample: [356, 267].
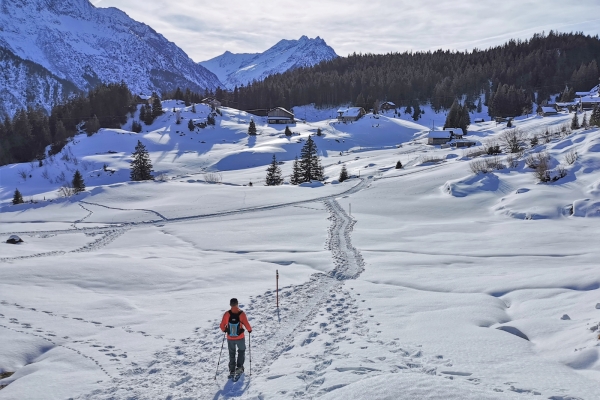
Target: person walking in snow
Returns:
[234, 323]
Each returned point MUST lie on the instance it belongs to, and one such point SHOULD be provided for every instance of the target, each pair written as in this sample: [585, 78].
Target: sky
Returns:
[206, 29]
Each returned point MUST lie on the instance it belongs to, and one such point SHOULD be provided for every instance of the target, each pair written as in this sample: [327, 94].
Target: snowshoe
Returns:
[238, 373]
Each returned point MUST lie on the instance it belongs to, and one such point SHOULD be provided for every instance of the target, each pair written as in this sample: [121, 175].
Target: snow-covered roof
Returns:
[389, 103]
[590, 99]
[567, 103]
[281, 118]
[144, 97]
[456, 131]
[582, 93]
[549, 110]
[440, 134]
[350, 111]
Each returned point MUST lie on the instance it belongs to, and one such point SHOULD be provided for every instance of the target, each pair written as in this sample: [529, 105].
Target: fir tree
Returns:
[534, 141]
[584, 123]
[252, 128]
[479, 107]
[319, 132]
[92, 126]
[399, 165]
[210, 120]
[274, 174]
[343, 174]
[157, 109]
[141, 166]
[78, 183]
[288, 132]
[309, 162]
[17, 197]
[191, 125]
[143, 113]
[194, 108]
[575, 121]
[136, 127]
[595, 117]
[453, 117]
[416, 113]
[296, 177]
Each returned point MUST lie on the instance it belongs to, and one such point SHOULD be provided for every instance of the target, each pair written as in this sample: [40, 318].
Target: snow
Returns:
[242, 69]
[424, 282]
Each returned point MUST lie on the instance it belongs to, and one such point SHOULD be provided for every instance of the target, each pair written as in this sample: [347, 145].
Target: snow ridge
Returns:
[86, 45]
[242, 69]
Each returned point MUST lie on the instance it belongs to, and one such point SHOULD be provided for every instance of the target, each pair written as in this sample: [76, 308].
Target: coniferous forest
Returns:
[518, 72]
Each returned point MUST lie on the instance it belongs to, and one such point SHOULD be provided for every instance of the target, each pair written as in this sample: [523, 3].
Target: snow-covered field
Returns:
[427, 282]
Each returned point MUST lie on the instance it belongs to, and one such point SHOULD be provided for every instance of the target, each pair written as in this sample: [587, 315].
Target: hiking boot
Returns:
[239, 370]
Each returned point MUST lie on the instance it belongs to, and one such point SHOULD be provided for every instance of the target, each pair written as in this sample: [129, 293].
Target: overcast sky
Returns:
[205, 29]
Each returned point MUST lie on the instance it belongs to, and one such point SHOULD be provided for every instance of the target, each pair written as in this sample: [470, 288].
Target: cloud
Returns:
[206, 29]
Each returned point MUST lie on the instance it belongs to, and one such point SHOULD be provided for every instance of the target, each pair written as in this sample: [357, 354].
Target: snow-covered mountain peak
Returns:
[77, 42]
[241, 69]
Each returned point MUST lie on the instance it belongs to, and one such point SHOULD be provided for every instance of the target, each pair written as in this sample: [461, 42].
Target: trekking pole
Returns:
[250, 348]
[221, 352]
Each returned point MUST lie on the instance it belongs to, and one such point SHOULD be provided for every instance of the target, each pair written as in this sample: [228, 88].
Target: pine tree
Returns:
[465, 119]
[274, 174]
[136, 127]
[479, 107]
[92, 126]
[296, 177]
[343, 174]
[416, 113]
[17, 197]
[141, 166]
[453, 117]
[143, 113]
[399, 165]
[584, 123]
[595, 118]
[319, 132]
[252, 128]
[194, 108]
[157, 109]
[575, 121]
[78, 183]
[191, 125]
[310, 164]
[288, 132]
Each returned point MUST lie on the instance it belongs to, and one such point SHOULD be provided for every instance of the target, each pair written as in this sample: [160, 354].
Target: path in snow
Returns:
[186, 370]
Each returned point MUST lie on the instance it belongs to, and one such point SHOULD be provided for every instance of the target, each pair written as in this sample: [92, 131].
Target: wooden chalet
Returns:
[350, 114]
[280, 115]
[388, 105]
[211, 101]
[546, 111]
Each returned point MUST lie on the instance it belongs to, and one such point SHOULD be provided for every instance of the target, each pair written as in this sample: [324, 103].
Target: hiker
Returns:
[234, 321]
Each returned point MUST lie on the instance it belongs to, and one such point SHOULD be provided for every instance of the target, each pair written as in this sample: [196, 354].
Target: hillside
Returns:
[429, 281]
[85, 45]
[242, 69]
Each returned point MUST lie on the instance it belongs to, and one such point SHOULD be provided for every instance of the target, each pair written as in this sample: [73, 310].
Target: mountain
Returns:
[85, 45]
[241, 69]
[25, 83]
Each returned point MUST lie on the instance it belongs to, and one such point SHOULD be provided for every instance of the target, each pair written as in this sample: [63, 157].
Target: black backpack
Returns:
[235, 326]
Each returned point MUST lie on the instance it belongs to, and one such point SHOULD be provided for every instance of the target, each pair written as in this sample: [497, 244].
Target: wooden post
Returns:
[277, 286]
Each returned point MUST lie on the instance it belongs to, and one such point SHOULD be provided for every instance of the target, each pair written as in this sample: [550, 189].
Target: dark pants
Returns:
[241, 346]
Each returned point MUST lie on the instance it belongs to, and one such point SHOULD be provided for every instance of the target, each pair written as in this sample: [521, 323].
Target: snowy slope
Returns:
[86, 45]
[24, 83]
[241, 69]
[428, 282]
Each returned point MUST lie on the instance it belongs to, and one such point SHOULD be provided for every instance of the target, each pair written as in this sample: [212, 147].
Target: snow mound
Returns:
[312, 184]
[472, 184]
[586, 208]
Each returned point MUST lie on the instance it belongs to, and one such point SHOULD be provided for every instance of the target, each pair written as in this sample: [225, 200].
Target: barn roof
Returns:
[549, 110]
[440, 134]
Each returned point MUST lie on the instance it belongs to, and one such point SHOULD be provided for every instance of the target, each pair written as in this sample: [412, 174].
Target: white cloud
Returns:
[206, 29]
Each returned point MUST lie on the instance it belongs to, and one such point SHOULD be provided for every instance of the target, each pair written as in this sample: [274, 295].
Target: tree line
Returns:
[25, 137]
[515, 73]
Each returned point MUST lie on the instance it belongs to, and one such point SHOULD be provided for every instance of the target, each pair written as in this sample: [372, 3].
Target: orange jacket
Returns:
[243, 321]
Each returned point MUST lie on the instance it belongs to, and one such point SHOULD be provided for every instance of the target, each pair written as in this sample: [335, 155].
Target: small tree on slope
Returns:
[77, 182]
[575, 122]
[310, 164]
[141, 166]
[17, 197]
[296, 178]
[343, 174]
[274, 173]
[252, 128]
